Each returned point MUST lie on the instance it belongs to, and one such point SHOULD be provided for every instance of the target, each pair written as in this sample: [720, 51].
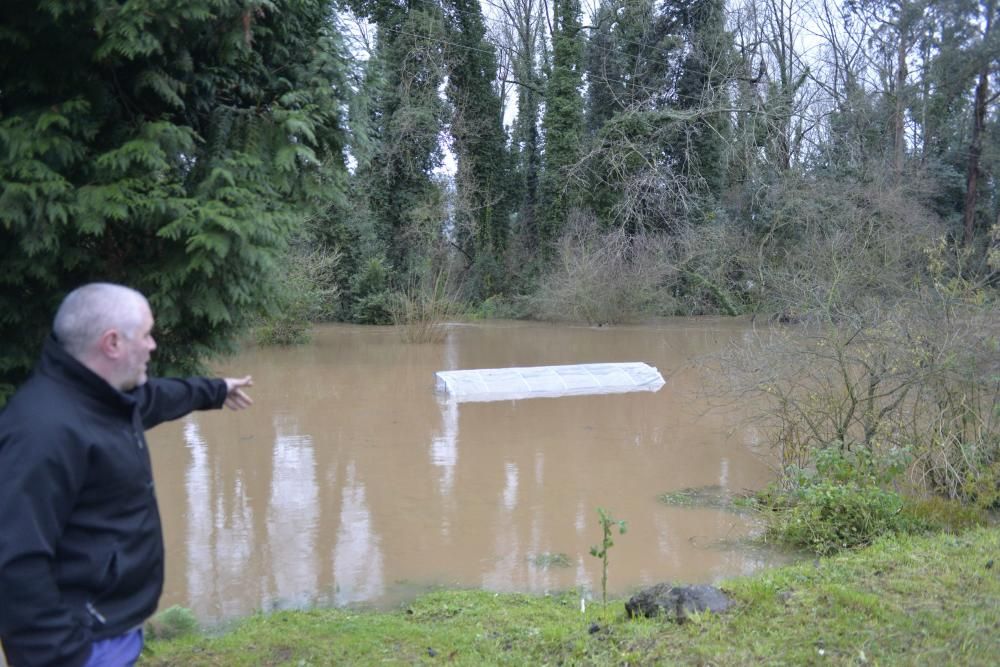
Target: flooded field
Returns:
[352, 481]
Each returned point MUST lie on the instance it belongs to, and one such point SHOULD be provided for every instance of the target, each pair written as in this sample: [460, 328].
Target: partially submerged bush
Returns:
[308, 293]
[372, 294]
[918, 378]
[421, 311]
[715, 270]
[606, 278]
[841, 503]
[826, 517]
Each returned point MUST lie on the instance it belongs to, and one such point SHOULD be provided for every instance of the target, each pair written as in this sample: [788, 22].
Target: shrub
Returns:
[825, 247]
[606, 278]
[499, 307]
[829, 516]
[914, 379]
[372, 297]
[170, 623]
[421, 310]
[715, 273]
[307, 293]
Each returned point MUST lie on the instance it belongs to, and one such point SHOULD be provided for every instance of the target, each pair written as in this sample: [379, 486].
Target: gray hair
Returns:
[89, 311]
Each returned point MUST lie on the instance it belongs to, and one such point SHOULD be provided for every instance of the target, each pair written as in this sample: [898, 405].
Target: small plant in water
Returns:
[547, 560]
[608, 522]
[422, 309]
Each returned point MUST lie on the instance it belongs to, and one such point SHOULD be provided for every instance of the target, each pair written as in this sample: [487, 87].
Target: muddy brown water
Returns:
[351, 482]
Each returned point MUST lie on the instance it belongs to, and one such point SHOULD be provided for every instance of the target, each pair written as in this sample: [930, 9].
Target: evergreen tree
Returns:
[630, 78]
[562, 122]
[627, 60]
[701, 87]
[479, 144]
[406, 117]
[523, 30]
[170, 146]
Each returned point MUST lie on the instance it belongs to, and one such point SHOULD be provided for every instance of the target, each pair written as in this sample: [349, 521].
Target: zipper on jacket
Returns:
[96, 614]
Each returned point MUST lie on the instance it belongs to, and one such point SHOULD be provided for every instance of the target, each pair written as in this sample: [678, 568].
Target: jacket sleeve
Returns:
[165, 399]
[40, 484]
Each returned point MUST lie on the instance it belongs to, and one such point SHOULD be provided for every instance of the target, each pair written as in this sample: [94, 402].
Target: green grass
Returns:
[906, 600]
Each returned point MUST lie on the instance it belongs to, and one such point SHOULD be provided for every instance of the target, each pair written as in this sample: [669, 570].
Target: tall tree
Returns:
[479, 143]
[406, 121]
[702, 80]
[523, 33]
[986, 56]
[171, 146]
[627, 60]
[896, 26]
[562, 122]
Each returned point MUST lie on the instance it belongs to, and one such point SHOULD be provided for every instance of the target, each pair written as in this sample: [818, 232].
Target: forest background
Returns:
[260, 165]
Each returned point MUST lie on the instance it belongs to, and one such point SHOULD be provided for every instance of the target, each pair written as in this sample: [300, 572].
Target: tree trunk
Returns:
[975, 151]
[978, 125]
[900, 119]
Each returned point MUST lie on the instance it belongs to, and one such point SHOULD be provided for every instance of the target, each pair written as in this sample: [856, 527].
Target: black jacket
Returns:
[81, 547]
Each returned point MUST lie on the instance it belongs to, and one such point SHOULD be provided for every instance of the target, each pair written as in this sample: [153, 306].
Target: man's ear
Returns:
[110, 344]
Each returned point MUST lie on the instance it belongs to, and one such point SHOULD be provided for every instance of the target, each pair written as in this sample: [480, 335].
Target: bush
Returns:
[914, 378]
[372, 297]
[498, 307]
[421, 311]
[170, 623]
[605, 278]
[829, 516]
[307, 293]
[826, 247]
[841, 503]
[715, 274]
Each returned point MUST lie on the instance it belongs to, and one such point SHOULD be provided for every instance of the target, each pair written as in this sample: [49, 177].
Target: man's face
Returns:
[137, 345]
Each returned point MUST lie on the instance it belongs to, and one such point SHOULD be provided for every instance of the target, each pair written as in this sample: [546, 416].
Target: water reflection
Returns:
[357, 567]
[219, 540]
[293, 515]
[444, 447]
[350, 481]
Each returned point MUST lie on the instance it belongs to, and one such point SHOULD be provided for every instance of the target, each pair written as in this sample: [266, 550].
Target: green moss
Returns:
[905, 600]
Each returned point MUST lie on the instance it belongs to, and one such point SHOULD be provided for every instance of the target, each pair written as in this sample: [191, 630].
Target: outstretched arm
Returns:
[163, 399]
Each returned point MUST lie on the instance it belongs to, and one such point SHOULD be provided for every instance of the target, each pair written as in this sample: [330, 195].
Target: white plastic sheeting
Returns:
[504, 384]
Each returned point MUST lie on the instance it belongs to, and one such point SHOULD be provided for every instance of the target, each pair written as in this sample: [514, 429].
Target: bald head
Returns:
[91, 310]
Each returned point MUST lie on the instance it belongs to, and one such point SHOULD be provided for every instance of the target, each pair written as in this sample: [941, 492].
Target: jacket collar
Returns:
[58, 364]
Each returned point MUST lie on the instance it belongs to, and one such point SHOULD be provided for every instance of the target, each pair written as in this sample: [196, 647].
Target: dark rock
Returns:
[677, 602]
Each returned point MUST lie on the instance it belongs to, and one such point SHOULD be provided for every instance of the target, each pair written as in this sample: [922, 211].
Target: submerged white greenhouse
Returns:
[504, 384]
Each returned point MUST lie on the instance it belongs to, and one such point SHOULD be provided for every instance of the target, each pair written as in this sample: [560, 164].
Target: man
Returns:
[81, 547]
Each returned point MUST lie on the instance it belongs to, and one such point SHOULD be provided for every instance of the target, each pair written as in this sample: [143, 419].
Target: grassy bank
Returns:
[909, 600]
